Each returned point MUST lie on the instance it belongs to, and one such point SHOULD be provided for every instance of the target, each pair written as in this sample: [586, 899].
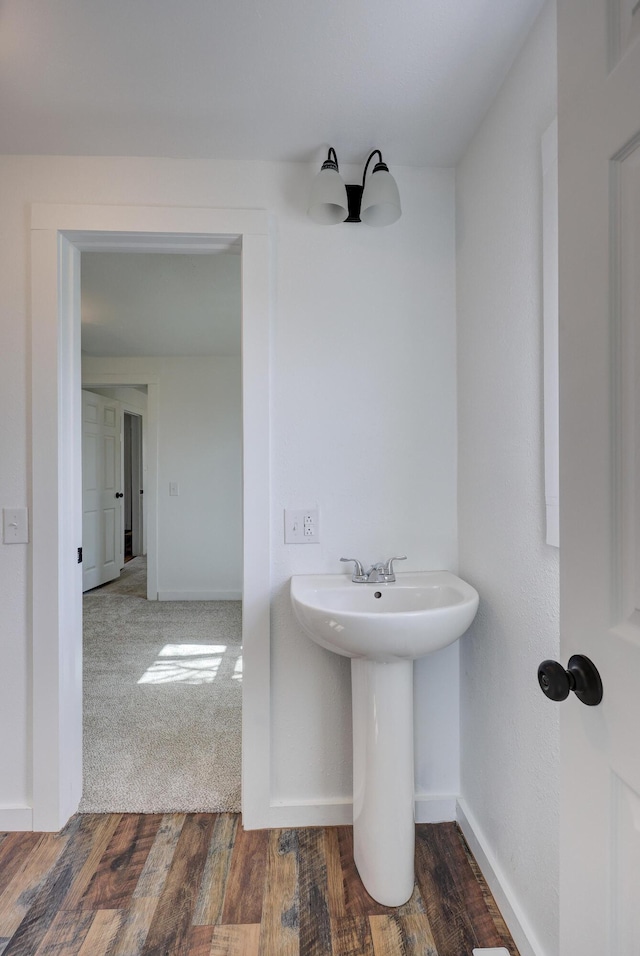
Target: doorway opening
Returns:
[163, 692]
[132, 487]
[59, 235]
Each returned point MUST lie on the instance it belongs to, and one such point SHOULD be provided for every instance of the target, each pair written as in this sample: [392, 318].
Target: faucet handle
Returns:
[358, 570]
[388, 568]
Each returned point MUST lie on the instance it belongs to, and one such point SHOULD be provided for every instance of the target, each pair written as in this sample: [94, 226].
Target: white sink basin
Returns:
[419, 613]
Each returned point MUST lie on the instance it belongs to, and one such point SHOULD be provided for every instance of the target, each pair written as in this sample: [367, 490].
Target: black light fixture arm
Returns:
[366, 165]
[331, 163]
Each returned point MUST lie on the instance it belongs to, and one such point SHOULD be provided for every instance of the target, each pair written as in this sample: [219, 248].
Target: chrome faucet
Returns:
[377, 574]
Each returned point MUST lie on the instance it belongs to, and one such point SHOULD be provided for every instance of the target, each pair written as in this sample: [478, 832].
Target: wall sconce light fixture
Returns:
[376, 202]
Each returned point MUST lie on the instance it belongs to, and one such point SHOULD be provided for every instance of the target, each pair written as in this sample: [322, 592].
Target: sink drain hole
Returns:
[377, 594]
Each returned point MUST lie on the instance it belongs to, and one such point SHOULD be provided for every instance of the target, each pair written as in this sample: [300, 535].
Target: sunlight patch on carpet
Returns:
[188, 664]
[189, 650]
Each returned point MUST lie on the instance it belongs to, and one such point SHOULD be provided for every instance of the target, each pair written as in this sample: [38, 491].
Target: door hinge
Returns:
[79, 555]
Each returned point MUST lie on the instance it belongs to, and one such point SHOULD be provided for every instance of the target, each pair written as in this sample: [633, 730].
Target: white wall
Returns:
[200, 448]
[363, 423]
[509, 730]
[167, 304]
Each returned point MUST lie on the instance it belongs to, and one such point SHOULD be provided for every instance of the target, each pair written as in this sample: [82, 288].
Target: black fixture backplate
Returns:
[354, 198]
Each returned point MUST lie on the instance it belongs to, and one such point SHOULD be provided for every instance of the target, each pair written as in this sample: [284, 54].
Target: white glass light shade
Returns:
[328, 203]
[380, 200]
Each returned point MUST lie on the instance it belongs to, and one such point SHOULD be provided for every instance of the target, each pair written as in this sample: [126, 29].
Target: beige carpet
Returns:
[162, 701]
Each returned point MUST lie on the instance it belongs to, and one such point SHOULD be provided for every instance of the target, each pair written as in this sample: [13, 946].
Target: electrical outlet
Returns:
[301, 526]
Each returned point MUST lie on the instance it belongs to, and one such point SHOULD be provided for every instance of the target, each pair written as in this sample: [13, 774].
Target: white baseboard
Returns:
[338, 811]
[317, 813]
[199, 595]
[16, 818]
[508, 904]
[435, 807]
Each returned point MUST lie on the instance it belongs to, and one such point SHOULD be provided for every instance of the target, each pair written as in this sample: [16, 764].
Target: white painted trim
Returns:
[152, 224]
[57, 236]
[256, 584]
[549, 146]
[508, 903]
[15, 819]
[435, 807]
[334, 812]
[193, 245]
[338, 811]
[56, 583]
[549, 150]
[552, 514]
[199, 595]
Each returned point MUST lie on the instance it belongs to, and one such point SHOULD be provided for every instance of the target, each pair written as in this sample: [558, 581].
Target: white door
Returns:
[599, 198]
[102, 528]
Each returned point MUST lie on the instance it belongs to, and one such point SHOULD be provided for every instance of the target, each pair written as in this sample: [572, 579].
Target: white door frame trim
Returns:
[58, 235]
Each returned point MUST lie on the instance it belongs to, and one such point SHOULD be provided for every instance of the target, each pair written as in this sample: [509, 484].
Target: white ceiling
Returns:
[253, 79]
[155, 304]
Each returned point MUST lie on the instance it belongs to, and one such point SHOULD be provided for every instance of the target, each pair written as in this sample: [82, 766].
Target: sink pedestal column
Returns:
[383, 799]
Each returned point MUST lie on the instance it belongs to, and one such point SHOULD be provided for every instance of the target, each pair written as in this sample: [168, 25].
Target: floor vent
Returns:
[491, 952]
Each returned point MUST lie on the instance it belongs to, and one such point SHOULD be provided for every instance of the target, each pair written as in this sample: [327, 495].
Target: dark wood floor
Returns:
[198, 884]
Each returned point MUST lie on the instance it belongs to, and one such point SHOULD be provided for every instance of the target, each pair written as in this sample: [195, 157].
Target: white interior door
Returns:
[102, 514]
[599, 198]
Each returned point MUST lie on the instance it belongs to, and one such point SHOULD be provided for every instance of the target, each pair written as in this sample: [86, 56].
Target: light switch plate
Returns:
[15, 525]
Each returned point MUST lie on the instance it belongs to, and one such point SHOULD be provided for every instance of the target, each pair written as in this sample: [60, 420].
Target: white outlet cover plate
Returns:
[294, 525]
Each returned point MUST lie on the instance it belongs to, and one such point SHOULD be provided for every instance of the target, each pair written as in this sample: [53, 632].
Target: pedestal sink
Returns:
[383, 628]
